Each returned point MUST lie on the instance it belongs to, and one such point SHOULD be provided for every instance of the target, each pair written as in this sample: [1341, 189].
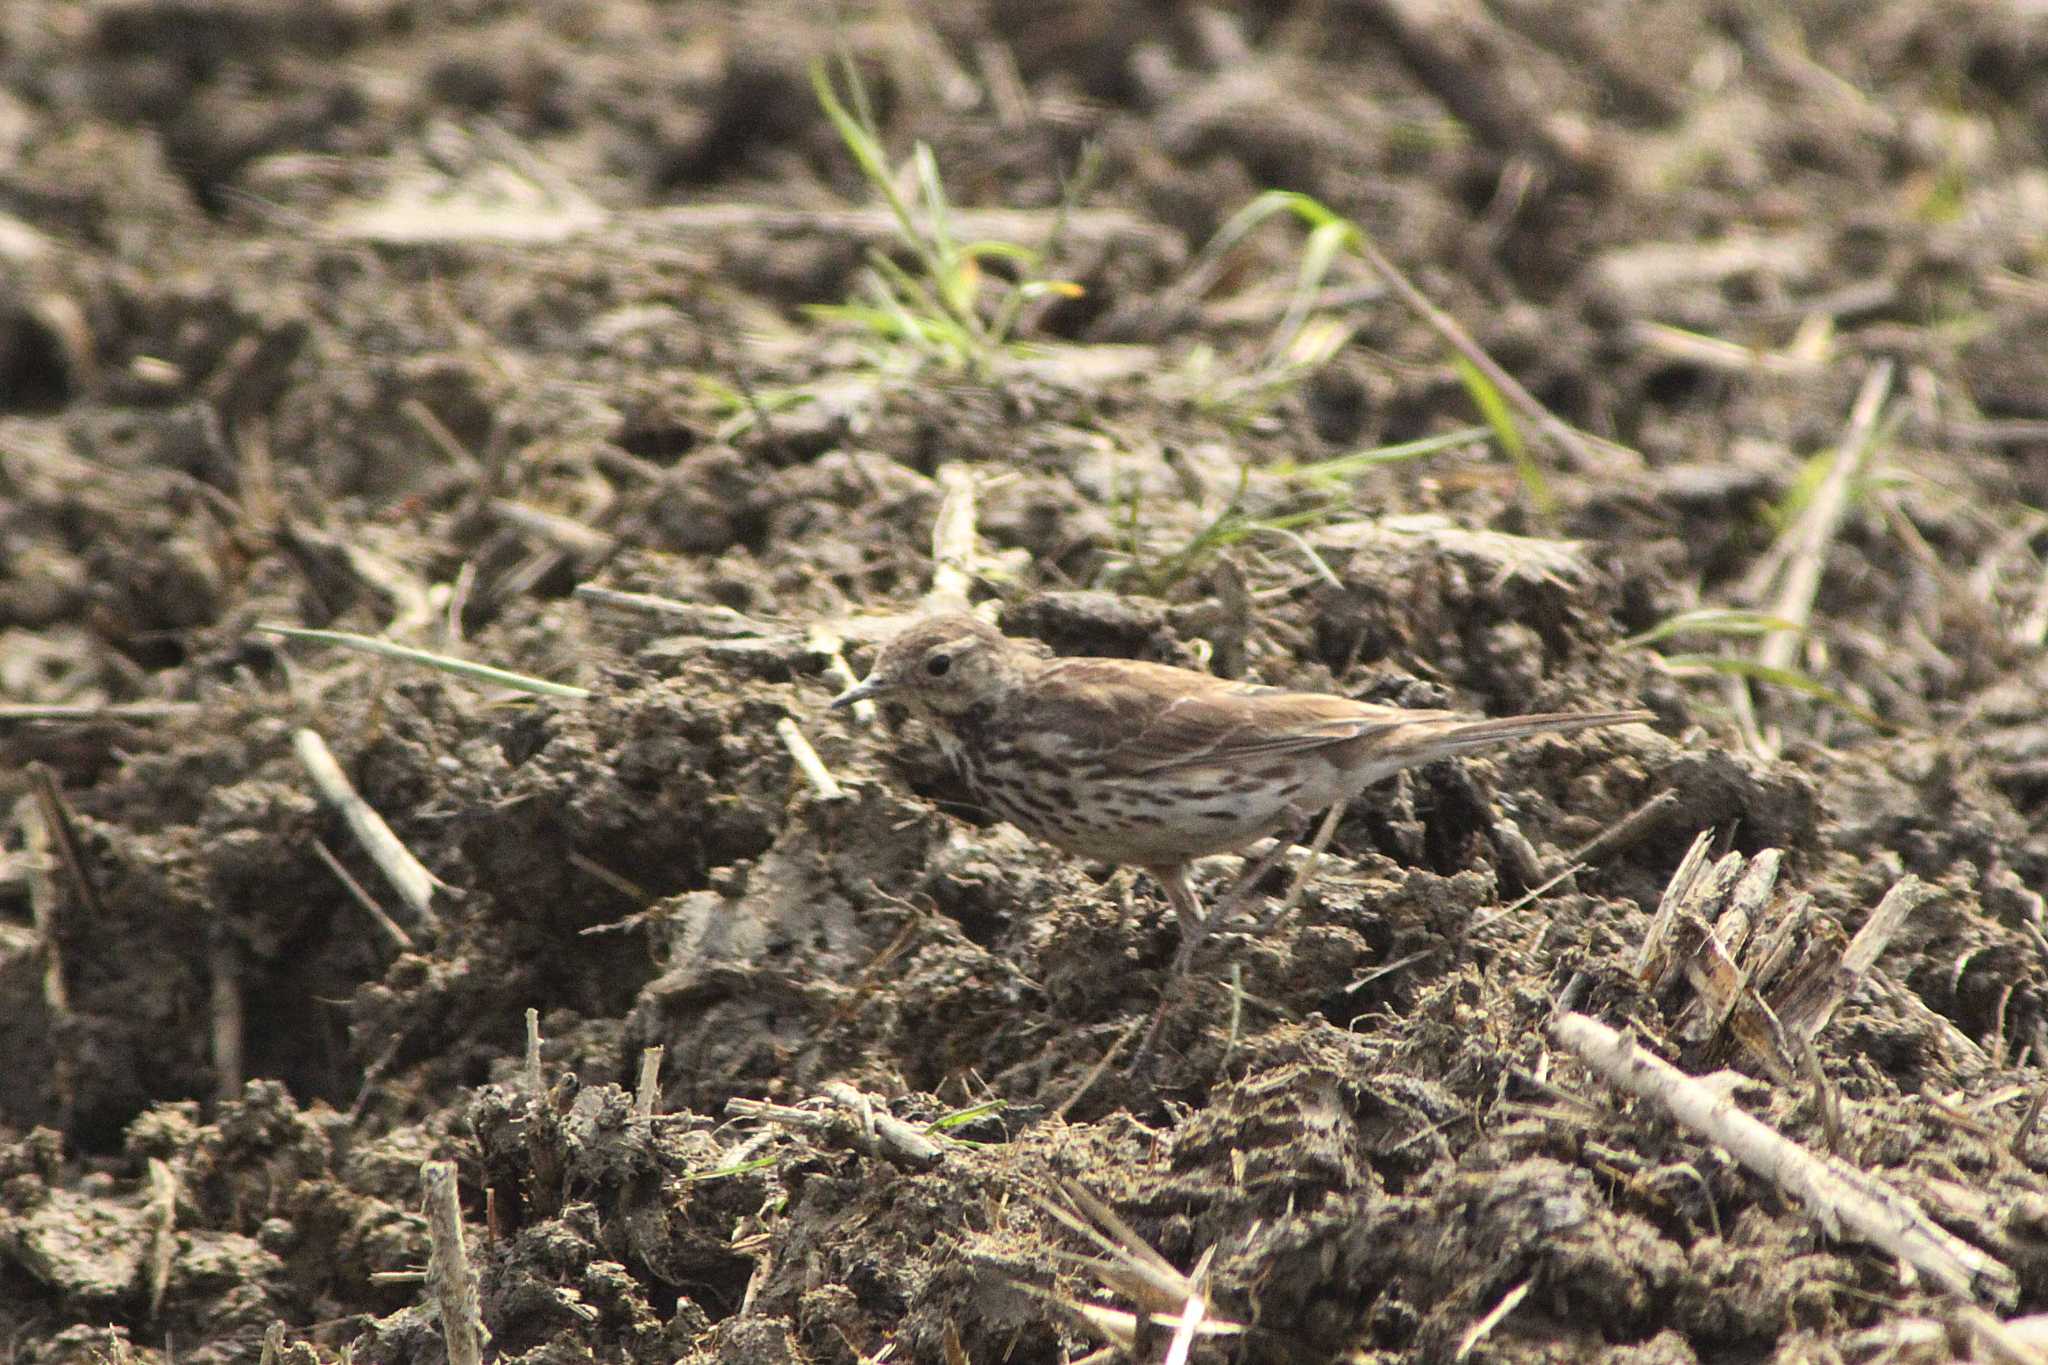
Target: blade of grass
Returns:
[1493, 406]
[1730, 665]
[961, 1117]
[463, 668]
[1342, 468]
[1711, 621]
[1325, 241]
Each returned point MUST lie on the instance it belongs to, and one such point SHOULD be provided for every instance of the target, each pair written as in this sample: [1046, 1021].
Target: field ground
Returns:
[410, 320]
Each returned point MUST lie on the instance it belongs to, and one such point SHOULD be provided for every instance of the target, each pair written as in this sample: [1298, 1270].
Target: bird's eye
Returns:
[939, 665]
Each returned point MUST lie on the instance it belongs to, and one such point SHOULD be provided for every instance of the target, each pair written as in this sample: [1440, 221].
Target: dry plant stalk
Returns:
[807, 761]
[1844, 1200]
[449, 1272]
[229, 1017]
[40, 816]
[161, 1217]
[952, 542]
[531, 1069]
[1129, 1266]
[648, 1092]
[860, 1125]
[1769, 975]
[406, 874]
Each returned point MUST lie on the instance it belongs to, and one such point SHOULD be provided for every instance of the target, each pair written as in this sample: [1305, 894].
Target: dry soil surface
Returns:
[410, 319]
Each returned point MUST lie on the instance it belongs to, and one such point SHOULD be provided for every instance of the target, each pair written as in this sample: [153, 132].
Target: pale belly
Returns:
[1144, 822]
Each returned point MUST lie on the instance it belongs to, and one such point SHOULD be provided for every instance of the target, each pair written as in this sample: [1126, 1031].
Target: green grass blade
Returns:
[1325, 241]
[759, 1163]
[1493, 407]
[1712, 621]
[961, 1117]
[1792, 680]
[866, 149]
[1001, 251]
[1341, 468]
[940, 227]
[463, 668]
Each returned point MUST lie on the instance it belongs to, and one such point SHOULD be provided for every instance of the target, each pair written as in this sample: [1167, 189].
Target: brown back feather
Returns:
[1142, 719]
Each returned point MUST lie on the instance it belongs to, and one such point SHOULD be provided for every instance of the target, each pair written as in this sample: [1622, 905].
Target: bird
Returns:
[1143, 764]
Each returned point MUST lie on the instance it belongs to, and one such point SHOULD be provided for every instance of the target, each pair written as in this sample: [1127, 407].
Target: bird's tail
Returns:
[1462, 736]
[1419, 737]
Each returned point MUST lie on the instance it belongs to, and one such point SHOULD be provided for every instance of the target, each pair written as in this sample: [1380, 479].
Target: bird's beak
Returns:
[860, 691]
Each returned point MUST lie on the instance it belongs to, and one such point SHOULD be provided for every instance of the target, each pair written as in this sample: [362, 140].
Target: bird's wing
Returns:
[1149, 720]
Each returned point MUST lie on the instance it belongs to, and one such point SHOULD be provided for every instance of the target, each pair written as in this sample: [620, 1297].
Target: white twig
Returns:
[807, 761]
[1841, 1198]
[448, 1269]
[1482, 1329]
[160, 1215]
[407, 875]
[534, 1075]
[648, 1095]
[1818, 524]
[1192, 1315]
[863, 1127]
[827, 642]
[229, 1018]
[120, 710]
[952, 542]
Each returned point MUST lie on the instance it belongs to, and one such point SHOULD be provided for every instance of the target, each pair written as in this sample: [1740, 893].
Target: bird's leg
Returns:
[1195, 926]
[1316, 849]
[1180, 894]
[1297, 825]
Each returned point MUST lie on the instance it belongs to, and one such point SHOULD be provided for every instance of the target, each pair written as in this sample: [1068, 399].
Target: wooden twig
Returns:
[827, 642]
[1482, 1329]
[119, 710]
[1796, 568]
[1193, 1313]
[387, 926]
[37, 813]
[406, 874]
[160, 1216]
[61, 835]
[228, 1016]
[535, 1077]
[648, 1094]
[1102, 1064]
[1841, 1198]
[1625, 833]
[1807, 1013]
[2015, 1341]
[807, 761]
[1592, 454]
[1798, 571]
[2028, 1118]
[879, 227]
[697, 618]
[860, 1124]
[952, 542]
[566, 534]
[449, 1272]
[1654, 958]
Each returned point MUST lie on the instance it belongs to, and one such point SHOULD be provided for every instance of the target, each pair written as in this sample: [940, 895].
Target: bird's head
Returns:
[942, 665]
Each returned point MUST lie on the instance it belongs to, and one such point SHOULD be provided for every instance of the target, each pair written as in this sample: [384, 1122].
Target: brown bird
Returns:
[1144, 764]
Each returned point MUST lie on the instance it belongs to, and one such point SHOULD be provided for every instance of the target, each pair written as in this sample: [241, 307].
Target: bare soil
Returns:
[409, 319]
